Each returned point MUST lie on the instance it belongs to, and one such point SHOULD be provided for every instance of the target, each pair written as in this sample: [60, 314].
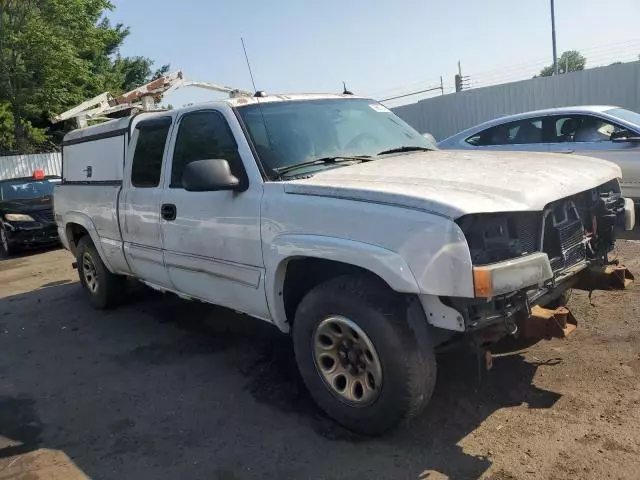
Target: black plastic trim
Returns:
[93, 182]
[97, 136]
[155, 122]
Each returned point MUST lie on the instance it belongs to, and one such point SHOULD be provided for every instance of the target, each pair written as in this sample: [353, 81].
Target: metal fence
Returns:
[448, 114]
[23, 165]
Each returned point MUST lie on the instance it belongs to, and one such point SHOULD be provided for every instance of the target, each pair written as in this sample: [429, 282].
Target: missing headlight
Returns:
[493, 237]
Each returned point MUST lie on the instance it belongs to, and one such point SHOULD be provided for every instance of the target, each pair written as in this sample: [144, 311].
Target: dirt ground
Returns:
[162, 388]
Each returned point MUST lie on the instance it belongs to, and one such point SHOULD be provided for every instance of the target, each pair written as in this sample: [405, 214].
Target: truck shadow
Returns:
[175, 344]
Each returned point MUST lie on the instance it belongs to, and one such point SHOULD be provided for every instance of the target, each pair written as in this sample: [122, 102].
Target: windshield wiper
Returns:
[322, 161]
[406, 149]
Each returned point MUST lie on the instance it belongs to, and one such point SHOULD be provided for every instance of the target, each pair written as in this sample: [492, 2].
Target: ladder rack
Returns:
[140, 99]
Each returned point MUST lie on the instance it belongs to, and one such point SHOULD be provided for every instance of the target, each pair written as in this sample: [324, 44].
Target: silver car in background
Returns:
[607, 132]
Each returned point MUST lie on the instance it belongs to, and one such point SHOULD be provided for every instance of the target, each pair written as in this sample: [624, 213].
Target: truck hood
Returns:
[455, 183]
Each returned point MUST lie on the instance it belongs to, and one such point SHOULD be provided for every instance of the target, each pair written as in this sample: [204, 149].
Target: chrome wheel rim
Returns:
[347, 361]
[89, 272]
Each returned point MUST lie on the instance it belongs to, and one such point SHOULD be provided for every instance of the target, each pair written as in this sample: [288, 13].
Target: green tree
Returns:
[569, 61]
[135, 71]
[55, 54]
[7, 127]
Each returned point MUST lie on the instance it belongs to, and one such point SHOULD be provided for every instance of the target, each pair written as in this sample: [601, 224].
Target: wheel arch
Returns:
[78, 225]
[297, 263]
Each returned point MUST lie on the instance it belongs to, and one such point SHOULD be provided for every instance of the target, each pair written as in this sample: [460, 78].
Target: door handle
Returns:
[564, 151]
[168, 211]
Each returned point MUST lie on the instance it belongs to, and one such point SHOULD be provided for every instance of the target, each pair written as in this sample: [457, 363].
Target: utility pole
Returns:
[441, 86]
[460, 81]
[458, 78]
[553, 37]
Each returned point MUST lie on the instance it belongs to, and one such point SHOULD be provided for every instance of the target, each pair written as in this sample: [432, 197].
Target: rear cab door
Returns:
[140, 199]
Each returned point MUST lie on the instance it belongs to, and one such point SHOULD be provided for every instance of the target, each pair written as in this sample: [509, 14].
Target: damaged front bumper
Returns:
[579, 244]
[559, 322]
[501, 278]
[568, 245]
[528, 316]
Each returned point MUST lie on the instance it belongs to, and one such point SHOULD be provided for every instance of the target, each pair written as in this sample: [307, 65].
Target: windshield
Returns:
[290, 133]
[626, 115]
[25, 189]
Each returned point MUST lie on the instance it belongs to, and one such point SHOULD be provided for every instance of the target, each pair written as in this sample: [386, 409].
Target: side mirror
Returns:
[625, 136]
[209, 176]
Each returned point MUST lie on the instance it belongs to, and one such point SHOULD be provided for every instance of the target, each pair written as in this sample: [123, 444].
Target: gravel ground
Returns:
[162, 388]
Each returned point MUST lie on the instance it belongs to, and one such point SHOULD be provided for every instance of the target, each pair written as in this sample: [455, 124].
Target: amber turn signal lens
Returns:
[482, 282]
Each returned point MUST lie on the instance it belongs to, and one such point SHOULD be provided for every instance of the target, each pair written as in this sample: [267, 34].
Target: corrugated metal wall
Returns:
[448, 114]
[24, 165]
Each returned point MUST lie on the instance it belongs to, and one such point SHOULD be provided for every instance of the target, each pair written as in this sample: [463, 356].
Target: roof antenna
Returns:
[257, 93]
[344, 89]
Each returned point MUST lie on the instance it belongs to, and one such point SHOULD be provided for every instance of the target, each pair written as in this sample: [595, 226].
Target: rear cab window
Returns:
[146, 167]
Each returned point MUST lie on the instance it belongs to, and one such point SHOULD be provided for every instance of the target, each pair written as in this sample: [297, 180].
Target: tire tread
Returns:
[415, 354]
[111, 286]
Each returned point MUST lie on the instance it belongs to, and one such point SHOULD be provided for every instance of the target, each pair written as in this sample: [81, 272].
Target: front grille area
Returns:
[559, 232]
[572, 247]
[564, 236]
[527, 232]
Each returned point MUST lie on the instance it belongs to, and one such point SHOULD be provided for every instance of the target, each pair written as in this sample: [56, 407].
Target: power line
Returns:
[587, 52]
[405, 87]
[596, 55]
[414, 93]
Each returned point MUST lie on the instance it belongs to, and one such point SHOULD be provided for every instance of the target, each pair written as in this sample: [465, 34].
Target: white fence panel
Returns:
[23, 165]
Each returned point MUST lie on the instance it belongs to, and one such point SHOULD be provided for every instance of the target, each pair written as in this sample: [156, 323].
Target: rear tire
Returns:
[105, 289]
[362, 362]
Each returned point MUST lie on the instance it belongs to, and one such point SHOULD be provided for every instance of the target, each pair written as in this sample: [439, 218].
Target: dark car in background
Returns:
[26, 213]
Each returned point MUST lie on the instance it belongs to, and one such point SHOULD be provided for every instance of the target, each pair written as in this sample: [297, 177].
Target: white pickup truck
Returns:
[331, 218]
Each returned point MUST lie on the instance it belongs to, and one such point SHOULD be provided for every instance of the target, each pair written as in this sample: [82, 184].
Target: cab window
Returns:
[203, 136]
[147, 157]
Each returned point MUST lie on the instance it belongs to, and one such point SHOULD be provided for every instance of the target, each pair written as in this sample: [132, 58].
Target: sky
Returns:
[380, 48]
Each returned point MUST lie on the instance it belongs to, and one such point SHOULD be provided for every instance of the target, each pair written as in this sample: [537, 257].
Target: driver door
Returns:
[212, 243]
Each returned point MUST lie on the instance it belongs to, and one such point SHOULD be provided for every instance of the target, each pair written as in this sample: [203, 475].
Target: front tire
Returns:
[105, 289]
[361, 361]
